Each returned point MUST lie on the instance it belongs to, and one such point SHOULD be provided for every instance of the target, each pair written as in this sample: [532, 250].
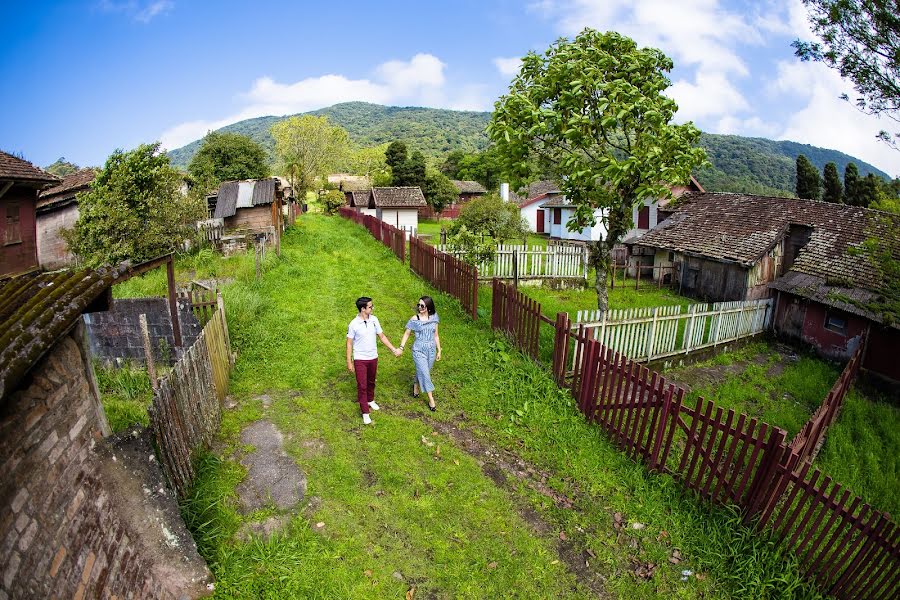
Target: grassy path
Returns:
[503, 494]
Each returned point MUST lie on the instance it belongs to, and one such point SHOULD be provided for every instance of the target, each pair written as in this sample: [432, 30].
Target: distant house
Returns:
[398, 206]
[20, 183]
[252, 206]
[466, 190]
[360, 200]
[559, 211]
[57, 209]
[529, 204]
[653, 212]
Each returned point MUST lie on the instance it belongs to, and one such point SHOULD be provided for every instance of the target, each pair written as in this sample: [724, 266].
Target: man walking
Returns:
[362, 354]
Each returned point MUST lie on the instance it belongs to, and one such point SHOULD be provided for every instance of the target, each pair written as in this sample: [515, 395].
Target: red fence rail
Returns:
[809, 439]
[845, 547]
[446, 273]
[387, 234]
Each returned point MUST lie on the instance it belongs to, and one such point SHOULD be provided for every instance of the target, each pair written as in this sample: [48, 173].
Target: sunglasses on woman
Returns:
[420, 305]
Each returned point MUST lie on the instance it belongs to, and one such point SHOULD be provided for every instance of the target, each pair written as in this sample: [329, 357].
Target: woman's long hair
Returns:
[429, 304]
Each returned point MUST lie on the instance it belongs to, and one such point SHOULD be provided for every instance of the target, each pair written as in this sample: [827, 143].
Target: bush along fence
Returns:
[844, 546]
[446, 273]
[187, 404]
[522, 263]
[808, 441]
[646, 334]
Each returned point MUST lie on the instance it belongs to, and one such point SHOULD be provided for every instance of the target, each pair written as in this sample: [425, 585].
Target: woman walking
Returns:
[426, 348]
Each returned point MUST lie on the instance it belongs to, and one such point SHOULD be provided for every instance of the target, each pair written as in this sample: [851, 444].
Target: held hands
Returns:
[398, 351]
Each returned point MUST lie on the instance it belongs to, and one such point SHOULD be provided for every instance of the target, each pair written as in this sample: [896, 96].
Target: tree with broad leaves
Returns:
[307, 147]
[594, 110]
[833, 190]
[809, 182]
[225, 156]
[861, 39]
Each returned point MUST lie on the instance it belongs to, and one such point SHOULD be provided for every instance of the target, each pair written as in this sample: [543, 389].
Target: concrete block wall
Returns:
[63, 533]
[116, 333]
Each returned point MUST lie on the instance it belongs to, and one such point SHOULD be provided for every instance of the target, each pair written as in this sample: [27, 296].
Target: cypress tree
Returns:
[809, 182]
[851, 185]
[833, 188]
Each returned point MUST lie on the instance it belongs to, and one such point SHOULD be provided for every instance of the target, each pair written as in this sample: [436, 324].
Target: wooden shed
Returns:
[57, 209]
[20, 183]
[252, 206]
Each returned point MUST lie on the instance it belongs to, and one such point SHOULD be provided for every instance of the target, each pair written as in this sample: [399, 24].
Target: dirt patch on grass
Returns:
[272, 476]
[506, 469]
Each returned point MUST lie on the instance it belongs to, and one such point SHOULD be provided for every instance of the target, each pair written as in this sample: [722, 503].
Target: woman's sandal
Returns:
[415, 393]
[431, 408]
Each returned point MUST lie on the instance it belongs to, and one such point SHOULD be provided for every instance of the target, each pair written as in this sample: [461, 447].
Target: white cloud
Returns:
[753, 127]
[828, 121]
[710, 95]
[143, 12]
[508, 67]
[419, 81]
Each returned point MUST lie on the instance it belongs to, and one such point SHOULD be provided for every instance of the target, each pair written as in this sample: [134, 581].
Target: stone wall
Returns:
[116, 333]
[69, 527]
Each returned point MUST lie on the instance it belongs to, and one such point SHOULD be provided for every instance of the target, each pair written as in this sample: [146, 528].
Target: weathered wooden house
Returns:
[253, 206]
[654, 211]
[57, 209]
[81, 517]
[20, 183]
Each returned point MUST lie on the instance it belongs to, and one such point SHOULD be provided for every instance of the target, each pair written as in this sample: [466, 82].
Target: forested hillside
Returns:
[753, 165]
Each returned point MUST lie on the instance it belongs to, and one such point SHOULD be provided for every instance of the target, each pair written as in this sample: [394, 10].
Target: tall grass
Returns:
[125, 393]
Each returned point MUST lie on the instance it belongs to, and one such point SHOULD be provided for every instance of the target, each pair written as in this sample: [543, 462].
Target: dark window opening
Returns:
[13, 233]
[644, 218]
[836, 323]
[557, 216]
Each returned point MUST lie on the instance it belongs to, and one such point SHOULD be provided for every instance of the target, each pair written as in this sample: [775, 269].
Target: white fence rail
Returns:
[645, 334]
[532, 262]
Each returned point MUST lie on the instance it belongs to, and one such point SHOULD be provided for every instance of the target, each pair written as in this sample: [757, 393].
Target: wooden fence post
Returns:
[764, 484]
[173, 303]
[148, 351]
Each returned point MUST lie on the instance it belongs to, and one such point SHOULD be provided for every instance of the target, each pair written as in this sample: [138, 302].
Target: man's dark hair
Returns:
[429, 304]
[361, 303]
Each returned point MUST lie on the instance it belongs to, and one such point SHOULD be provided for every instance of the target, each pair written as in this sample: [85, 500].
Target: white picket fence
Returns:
[534, 262]
[645, 334]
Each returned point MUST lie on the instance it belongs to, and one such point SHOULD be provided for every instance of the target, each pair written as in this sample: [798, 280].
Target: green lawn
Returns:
[862, 449]
[401, 504]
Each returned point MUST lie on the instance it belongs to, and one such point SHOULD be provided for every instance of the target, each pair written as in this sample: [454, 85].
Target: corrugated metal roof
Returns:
[36, 309]
[244, 194]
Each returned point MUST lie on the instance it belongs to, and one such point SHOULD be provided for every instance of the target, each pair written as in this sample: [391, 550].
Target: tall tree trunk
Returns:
[599, 258]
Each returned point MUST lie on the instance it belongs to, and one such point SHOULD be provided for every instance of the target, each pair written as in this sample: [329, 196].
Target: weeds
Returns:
[125, 393]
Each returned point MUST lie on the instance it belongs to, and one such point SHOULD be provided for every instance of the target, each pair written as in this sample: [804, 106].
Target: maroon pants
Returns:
[365, 382]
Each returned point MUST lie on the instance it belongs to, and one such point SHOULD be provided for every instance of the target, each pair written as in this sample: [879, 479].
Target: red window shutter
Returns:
[644, 218]
[557, 216]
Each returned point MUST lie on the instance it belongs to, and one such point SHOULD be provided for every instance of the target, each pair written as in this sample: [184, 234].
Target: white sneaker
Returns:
[367, 420]
[374, 406]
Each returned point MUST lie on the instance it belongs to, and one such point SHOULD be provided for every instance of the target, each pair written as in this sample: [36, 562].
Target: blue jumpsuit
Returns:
[424, 349]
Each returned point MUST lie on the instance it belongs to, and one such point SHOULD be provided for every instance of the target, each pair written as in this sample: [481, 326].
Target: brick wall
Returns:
[116, 333]
[64, 530]
[53, 252]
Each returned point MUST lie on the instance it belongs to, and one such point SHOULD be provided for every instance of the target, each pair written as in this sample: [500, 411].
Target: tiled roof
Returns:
[36, 309]
[535, 191]
[359, 199]
[398, 197]
[244, 194]
[851, 300]
[743, 228]
[64, 193]
[16, 169]
[468, 187]
[557, 202]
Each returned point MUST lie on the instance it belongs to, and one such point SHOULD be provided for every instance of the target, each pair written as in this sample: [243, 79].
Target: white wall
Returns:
[529, 213]
[588, 234]
[399, 217]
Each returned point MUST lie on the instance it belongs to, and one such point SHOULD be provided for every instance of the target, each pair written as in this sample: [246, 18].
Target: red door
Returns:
[540, 221]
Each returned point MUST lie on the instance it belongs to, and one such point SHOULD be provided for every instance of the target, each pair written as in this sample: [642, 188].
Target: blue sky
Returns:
[84, 78]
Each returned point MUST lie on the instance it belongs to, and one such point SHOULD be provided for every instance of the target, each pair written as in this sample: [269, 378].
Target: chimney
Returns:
[504, 192]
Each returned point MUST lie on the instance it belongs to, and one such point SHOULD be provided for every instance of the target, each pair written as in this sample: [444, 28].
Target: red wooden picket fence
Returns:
[448, 274]
[809, 439]
[387, 234]
[848, 549]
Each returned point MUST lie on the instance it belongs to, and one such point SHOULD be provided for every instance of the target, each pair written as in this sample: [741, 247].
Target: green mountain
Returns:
[752, 165]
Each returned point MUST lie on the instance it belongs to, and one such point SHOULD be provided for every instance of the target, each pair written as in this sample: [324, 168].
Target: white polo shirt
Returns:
[363, 334]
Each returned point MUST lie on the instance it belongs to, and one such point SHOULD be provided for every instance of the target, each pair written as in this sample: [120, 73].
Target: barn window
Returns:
[13, 226]
[836, 323]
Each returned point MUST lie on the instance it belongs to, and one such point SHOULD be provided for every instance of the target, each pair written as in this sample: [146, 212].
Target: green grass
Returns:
[125, 394]
[289, 332]
[862, 449]
[573, 300]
